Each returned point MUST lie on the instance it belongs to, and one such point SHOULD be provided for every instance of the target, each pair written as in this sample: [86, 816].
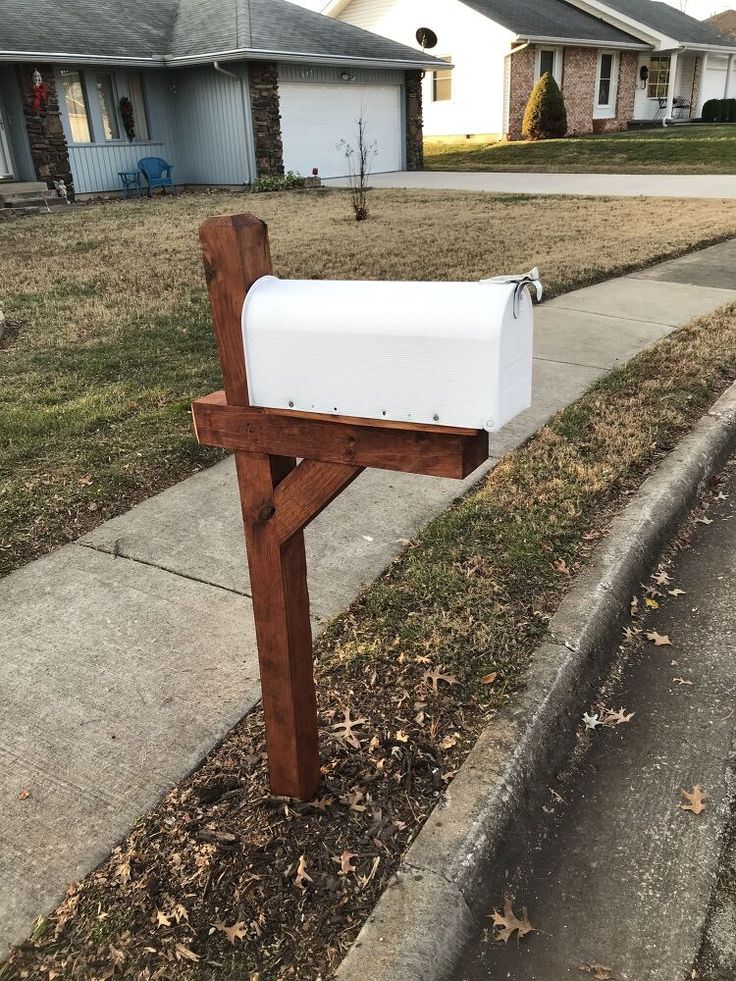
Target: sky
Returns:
[696, 8]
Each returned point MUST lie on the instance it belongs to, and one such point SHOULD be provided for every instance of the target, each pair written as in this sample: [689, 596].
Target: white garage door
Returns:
[314, 118]
[714, 80]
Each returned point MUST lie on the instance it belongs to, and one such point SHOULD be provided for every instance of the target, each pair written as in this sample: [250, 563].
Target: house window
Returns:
[442, 83]
[550, 60]
[138, 101]
[659, 76]
[76, 106]
[108, 106]
[605, 80]
[546, 62]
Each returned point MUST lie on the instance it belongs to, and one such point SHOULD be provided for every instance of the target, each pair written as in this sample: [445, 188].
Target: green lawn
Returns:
[696, 149]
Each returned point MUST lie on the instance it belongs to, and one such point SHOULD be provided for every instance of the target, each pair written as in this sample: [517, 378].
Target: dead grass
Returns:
[110, 335]
[469, 599]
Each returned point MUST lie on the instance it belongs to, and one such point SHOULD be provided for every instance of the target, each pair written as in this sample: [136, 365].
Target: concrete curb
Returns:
[436, 901]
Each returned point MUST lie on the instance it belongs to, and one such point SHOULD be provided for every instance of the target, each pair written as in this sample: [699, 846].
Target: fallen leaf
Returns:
[631, 633]
[345, 863]
[24, 794]
[651, 603]
[302, 875]
[507, 923]
[634, 606]
[562, 567]
[449, 741]
[436, 675]
[162, 919]
[488, 679]
[659, 640]
[682, 681]
[704, 521]
[323, 803]
[401, 736]
[353, 799]
[618, 718]
[662, 579]
[347, 725]
[695, 798]
[591, 721]
[599, 971]
[184, 953]
[235, 932]
[676, 592]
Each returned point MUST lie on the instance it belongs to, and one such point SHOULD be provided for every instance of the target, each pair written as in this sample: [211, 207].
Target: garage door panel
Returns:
[315, 118]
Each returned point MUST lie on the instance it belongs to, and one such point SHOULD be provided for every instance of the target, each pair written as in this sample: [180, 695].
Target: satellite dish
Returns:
[426, 37]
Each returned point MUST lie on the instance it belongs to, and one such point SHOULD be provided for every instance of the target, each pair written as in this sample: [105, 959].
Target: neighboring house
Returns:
[616, 62]
[222, 89]
[724, 22]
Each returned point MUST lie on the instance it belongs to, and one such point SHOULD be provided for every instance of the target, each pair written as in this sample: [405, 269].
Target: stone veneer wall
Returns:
[44, 128]
[263, 78]
[579, 73]
[414, 122]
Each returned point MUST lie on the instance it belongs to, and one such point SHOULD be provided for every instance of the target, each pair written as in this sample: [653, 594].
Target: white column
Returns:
[698, 109]
[727, 86]
[671, 88]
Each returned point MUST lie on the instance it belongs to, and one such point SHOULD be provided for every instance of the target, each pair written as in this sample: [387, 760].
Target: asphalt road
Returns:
[615, 874]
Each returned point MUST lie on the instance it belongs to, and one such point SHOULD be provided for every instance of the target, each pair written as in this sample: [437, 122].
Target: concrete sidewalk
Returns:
[607, 185]
[619, 874]
[126, 656]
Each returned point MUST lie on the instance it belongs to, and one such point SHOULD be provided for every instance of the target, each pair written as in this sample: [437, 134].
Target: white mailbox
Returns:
[450, 354]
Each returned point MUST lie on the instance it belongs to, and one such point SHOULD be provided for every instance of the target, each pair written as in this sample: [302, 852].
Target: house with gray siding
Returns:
[224, 90]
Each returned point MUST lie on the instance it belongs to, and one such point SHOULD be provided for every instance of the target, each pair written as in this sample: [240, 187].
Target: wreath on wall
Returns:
[126, 111]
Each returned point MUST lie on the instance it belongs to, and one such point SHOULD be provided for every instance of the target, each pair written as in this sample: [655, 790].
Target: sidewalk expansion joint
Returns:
[115, 554]
[631, 320]
[574, 364]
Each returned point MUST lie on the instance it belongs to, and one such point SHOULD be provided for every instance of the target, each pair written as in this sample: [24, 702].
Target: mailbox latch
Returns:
[530, 279]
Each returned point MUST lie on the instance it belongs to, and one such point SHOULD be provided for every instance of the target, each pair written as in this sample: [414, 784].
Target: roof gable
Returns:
[724, 22]
[668, 20]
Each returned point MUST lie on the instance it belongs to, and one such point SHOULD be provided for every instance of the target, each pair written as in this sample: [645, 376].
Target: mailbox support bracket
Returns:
[279, 498]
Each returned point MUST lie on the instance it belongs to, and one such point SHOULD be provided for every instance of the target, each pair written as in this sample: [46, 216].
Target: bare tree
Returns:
[359, 160]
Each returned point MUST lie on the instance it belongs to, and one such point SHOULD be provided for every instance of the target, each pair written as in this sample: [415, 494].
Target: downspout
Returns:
[243, 104]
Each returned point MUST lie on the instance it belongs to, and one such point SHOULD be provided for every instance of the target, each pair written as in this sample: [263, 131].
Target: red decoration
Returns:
[40, 93]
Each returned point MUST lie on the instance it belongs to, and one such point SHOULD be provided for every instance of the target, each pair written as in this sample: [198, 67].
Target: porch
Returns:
[673, 86]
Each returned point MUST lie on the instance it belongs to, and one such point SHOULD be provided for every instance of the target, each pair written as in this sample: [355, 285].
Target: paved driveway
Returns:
[620, 185]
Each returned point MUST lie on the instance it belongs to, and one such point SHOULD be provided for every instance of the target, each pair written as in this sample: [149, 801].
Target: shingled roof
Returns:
[163, 31]
[552, 19]
[666, 19]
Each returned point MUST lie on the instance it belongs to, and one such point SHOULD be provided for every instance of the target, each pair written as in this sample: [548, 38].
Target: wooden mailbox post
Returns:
[279, 498]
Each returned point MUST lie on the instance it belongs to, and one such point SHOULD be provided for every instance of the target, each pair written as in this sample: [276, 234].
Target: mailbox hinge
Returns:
[523, 280]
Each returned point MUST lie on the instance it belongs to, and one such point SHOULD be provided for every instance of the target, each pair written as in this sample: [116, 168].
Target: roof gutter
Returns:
[576, 42]
[82, 59]
[303, 57]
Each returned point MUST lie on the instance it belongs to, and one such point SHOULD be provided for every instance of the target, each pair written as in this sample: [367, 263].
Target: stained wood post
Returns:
[236, 253]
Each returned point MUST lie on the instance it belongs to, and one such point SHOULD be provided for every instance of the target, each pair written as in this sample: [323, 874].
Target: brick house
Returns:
[616, 61]
[223, 89]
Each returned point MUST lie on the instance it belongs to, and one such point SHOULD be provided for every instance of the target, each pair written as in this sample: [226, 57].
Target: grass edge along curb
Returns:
[430, 910]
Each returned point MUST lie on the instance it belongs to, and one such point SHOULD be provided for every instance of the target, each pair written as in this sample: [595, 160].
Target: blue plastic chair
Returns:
[157, 172]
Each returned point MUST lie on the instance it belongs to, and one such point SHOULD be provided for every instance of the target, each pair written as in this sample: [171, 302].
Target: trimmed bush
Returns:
[730, 114]
[719, 111]
[545, 117]
[711, 111]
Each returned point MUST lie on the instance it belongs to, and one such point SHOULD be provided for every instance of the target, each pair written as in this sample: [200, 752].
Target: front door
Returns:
[6, 169]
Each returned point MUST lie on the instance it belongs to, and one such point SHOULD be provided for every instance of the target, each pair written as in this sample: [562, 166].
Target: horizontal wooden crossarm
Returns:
[307, 491]
[438, 451]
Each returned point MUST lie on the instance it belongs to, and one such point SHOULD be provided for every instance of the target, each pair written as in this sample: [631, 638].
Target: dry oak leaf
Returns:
[401, 736]
[662, 579]
[347, 725]
[659, 640]
[599, 971]
[694, 798]
[676, 592]
[618, 718]
[345, 863]
[235, 932]
[353, 799]
[591, 721]
[162, 920]
[302, 875]
[507, 923]
[184, 953]
[24, 794]
[488, 679]
[562, 567]
[651, 603]
[436, 675]
[682, 681]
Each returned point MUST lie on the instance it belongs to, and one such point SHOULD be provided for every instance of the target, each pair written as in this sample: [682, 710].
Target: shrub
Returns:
[277, 182]
[711, 111]
[730, 115]
[545, 116]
